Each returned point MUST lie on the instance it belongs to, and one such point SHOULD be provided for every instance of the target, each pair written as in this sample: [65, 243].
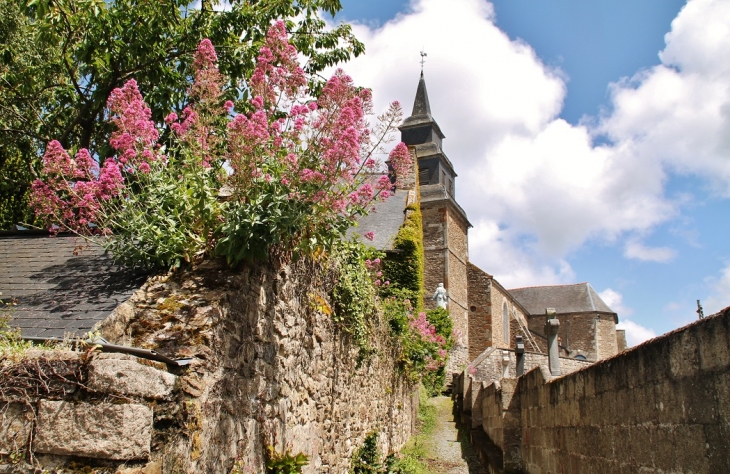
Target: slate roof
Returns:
[384, 221]
[57, 292]
[578, 298]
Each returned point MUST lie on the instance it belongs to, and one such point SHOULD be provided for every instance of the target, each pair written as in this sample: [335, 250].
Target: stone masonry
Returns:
[268, 369]
[663, 406]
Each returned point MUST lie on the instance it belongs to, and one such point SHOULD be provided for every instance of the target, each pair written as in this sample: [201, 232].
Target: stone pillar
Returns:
[552, 325]
[505, 364]
[520, 355]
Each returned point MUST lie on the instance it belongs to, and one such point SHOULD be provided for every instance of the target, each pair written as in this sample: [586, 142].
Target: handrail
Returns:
[105, 347]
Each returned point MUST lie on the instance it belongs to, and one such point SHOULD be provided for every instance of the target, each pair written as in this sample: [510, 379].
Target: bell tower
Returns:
[445, 225]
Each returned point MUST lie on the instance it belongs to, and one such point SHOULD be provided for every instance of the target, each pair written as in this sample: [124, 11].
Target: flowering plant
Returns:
[423, 349]
[298, 170]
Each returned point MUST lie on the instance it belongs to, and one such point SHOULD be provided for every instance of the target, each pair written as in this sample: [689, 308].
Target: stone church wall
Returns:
[581, 334]
[480, 311]
[270, 369]
[663, 406]
[433, 245]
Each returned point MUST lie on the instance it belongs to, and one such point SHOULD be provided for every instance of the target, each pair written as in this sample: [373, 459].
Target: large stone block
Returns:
[16, 424]
[128, 377]
[103, 431]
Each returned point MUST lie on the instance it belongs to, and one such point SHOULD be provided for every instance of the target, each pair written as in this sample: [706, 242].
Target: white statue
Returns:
[440, 296]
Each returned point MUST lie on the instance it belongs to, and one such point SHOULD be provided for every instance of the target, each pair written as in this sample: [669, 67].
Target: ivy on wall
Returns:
[404, 266]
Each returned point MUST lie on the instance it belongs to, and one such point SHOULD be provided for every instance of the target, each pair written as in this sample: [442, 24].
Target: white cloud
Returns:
[535, 187]
[720, 296]
[635, 332]
[636, 250]
[614, 300]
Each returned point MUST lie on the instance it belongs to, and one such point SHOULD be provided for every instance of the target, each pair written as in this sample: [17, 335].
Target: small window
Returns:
[451, 187]
[473, 309]
[443, 177]
[424, 176]
[505, 323]
[580, 357]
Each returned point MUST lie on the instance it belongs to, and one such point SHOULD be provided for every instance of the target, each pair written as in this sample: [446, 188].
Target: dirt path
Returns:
[447, 447]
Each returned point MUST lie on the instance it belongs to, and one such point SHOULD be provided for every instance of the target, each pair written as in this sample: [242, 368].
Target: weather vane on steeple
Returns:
[423, 60]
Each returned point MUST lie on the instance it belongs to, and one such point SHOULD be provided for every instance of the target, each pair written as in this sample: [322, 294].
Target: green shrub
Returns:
[366, 460]
[285, 463]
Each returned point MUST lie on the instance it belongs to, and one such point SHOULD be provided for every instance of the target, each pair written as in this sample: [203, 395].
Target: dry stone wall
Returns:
[270, 368]
[661, 407]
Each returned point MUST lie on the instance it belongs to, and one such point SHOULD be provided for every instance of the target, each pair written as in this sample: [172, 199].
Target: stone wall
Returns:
[489, 367]
[270, 369]
[87, 405]
[445, 252]
[433, 244]
[480, 311]
[592, 335]
[663, 406]
[517, 321]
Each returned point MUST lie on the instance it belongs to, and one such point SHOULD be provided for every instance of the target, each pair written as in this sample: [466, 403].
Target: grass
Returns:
[412, 458]
[12, 344]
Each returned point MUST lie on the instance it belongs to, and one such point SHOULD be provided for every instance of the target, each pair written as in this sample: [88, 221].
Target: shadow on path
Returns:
[450, 448]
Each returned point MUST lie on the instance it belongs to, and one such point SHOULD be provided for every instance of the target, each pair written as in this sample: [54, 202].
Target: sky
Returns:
[591, 139]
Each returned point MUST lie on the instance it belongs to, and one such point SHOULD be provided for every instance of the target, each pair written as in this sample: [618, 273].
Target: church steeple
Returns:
[420, 127]
[445, 226]
[421, 106]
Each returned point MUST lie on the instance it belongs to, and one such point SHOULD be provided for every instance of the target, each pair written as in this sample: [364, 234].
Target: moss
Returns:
[170, 304]
[404, 267]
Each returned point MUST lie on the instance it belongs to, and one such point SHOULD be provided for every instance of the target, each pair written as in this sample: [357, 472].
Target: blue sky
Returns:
[592, 138]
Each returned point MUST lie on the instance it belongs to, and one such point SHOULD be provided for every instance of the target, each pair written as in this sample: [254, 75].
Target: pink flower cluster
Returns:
[74, 189]
[197, 125]
[427, 333]
[135, 137]
[320, 152]
[376, 274]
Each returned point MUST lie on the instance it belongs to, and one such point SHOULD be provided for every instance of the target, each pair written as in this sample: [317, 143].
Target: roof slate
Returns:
[56, 292]
[578, 298]
[384, 221]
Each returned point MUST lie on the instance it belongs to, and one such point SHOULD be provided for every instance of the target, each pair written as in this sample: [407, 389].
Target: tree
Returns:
[79, 51]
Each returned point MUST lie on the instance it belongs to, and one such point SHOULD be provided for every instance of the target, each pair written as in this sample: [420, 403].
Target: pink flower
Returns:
[370, 236]
[228, 105]
[171, 117]
[144, 167]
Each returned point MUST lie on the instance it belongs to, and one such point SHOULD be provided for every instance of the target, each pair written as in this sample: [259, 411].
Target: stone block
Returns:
[128, 377]
[103, 431]
[16, 424]
[714, 345]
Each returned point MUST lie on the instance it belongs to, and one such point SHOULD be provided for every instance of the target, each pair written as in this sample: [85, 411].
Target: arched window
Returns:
[505, 323]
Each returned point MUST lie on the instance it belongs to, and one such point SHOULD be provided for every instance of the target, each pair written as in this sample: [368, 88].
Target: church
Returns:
[485, 314]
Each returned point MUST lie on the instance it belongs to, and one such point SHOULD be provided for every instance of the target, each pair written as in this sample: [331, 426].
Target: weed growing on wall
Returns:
[366, 459]
[285, 463]
[11, 341]
[297, 169]
[354, 294]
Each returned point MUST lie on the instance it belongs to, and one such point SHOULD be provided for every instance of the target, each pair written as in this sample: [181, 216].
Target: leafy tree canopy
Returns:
[60, 60]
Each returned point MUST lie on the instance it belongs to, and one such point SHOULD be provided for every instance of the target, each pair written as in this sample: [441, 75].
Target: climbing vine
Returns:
[404, 267]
